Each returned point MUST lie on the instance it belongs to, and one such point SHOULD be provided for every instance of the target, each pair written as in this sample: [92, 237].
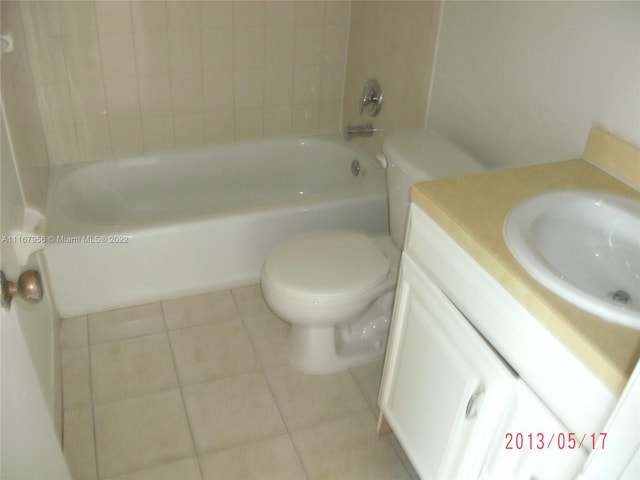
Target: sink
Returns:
[584, 246]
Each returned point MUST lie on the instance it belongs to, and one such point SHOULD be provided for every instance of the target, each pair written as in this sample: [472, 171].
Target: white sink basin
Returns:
[585, 247]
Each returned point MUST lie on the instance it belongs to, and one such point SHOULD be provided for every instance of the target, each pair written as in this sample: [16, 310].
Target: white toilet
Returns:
[336, 288]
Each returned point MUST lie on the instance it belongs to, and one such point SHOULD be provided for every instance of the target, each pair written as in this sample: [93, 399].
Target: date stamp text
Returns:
[557, 440]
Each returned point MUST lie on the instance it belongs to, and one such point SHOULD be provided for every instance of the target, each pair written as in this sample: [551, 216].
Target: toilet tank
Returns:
[415, 156]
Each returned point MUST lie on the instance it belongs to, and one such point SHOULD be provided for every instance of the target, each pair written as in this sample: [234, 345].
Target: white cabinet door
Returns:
[534, 444]
[444, 390]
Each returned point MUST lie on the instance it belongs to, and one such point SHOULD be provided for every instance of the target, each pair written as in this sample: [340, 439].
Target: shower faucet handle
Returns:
[371, 98]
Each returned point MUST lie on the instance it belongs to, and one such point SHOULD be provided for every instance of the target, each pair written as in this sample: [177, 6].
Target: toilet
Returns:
[336, 288]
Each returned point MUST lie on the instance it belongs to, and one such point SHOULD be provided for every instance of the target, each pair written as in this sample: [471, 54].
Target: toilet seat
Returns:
[325, 267]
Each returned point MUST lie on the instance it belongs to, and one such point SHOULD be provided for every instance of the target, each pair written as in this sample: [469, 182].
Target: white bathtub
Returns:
[128, 231]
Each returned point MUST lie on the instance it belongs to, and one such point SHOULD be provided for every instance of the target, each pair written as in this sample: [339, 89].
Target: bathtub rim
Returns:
[58, 223]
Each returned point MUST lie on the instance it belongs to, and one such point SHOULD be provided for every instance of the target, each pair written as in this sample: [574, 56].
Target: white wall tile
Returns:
[59, 101]
[183, 15]
[279, 13]
[217, 50]
[152, 53]
[155, 96]
[248, 14]
[306, 118]
[185, 51]
[308, 45]
[249, 88]
[307, 82]
[206, 63]
[248, 47]
[77, 18]
[89, 102]
[278, 121]
[218, 90]
[248, 123]
[114, 17]
[82, 58]
[118, 56]
[122, 99]
[189, 130]
[158, 134]
[279, 44]
[187, 94]
[126, 137]
[220, 126]
[94, 140]
[309, 13]
[217, 14]
[278, 87]
[149, 16]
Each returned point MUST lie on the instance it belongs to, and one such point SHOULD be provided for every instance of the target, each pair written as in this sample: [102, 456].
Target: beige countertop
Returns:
[472, 208]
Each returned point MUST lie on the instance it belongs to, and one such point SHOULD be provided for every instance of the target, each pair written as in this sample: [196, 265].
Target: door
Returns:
[29, 446]
[28, 442]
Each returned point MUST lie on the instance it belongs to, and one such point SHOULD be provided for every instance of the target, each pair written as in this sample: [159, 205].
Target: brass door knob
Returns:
[28, 287]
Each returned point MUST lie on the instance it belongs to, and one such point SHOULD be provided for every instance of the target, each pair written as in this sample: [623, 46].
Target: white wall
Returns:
[523, 82]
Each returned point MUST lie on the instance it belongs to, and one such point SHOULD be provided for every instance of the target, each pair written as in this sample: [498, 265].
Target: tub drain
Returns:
[620, 296]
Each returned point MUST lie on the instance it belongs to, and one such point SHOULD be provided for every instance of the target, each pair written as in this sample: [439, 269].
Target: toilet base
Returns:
[321, 350]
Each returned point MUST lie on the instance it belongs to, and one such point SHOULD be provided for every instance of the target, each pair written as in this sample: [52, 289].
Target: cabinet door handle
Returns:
[471, 412]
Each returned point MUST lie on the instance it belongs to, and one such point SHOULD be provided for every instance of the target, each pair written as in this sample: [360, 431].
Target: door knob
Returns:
[28, 287]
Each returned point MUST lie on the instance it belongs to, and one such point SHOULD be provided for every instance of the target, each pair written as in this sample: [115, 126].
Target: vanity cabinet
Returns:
[449, 397]
[445, 390]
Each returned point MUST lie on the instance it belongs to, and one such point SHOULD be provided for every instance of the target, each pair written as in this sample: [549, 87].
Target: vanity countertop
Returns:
[472, 209]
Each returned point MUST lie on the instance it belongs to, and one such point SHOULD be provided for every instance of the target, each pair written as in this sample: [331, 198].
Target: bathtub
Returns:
[128, 231]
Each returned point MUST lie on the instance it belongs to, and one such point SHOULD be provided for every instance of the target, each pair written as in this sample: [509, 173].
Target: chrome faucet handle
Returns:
[371, 98]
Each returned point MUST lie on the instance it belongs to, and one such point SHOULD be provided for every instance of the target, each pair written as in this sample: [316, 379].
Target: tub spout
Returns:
[365, 130]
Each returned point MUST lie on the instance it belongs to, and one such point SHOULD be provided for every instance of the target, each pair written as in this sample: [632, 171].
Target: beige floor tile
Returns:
[141, 432]
[199, 309]
[306, 400]
[125, 323]
[187, 469]
[73, 332]
[79, 450]
[368, 378]
[76, 377]
[232, 411]
[270, 336]
[212, 351]
[274, 458]
[250, 301]
[348, 448]
[132, 367]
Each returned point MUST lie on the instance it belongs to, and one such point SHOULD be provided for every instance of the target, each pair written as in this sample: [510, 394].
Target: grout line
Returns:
[180, 389]
[264, 369]
[92, 400]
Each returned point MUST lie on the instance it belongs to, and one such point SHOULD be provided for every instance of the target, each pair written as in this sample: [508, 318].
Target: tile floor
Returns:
[201, 388]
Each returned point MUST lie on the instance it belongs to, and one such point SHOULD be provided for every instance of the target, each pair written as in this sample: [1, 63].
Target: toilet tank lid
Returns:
[425, 154]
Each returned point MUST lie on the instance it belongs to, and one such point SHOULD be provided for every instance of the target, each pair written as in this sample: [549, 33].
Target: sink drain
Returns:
[620, 296]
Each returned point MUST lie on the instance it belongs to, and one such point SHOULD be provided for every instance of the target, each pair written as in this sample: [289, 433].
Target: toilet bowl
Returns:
[336, 288]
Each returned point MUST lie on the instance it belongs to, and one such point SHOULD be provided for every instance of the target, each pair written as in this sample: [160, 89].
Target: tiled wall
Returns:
[125, 77]
[393, 42]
